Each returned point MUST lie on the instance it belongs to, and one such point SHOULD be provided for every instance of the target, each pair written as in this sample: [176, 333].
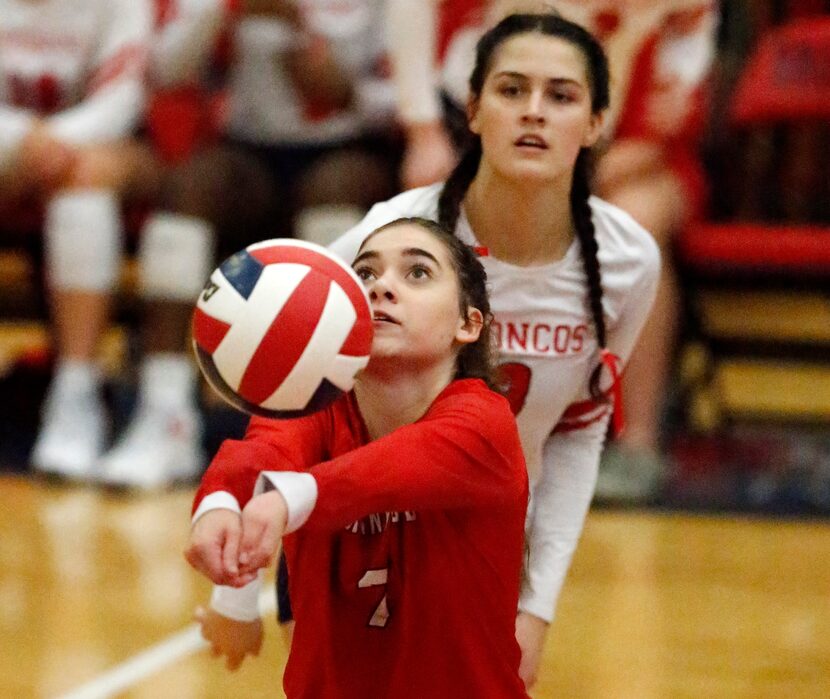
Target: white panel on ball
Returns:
[333, 327]
[273, 288]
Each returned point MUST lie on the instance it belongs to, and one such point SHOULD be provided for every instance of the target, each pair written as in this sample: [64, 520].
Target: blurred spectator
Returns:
[660, 53]
[162, 442]
[71, 92]
[308, 141]
[281, 138]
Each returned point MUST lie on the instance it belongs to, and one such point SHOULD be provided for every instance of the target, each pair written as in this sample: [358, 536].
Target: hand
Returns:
[214, 545]
[429, 155]
[530, 633]
[228, 637]
[264, 520]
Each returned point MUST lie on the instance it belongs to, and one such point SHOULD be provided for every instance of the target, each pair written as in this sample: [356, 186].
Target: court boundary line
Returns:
[153, 659]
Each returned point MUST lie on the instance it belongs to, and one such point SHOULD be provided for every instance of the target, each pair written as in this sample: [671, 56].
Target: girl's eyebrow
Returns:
[522, 76]
[420, 252]
[409, 252]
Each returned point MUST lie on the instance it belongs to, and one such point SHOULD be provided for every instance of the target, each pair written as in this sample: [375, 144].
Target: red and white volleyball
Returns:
[282, 328]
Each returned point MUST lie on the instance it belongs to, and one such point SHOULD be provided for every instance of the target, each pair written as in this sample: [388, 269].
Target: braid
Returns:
[584, 224]
[455, 188]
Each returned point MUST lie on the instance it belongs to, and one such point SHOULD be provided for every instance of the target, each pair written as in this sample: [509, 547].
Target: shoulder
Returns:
[623, 243]
[474, 400]
[421, 202]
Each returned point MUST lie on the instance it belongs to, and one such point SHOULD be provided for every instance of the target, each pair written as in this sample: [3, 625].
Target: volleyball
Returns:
[282, 328]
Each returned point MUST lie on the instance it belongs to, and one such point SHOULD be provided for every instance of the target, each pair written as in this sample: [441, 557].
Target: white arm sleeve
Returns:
[239, 603]
[299, 490]
[411, 31]
[115, 97]
[570, 461]
[559, 503]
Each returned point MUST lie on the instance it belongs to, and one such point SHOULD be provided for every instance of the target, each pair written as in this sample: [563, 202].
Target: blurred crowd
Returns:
[175, 132]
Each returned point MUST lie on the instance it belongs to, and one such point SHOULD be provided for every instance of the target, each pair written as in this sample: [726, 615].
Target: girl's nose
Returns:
[380, 288]
[534, 108]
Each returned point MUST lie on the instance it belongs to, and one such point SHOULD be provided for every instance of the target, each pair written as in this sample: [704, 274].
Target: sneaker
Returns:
[629, 476]
[159, 448]
[72, 435]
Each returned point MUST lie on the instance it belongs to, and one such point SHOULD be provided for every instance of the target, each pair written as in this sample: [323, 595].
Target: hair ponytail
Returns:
[457, 184]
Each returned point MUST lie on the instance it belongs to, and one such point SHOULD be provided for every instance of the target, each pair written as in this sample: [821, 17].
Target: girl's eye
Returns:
[562, 96]
[419, 272]
[364, 273]
[510, 90]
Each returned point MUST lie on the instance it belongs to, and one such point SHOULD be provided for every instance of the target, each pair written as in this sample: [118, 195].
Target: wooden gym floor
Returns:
[95, 601]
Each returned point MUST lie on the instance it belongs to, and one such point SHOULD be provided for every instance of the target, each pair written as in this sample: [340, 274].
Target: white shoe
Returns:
[72, 434]
[160, 447]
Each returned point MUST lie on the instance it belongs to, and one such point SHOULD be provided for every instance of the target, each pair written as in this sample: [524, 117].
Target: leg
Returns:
[83, 255]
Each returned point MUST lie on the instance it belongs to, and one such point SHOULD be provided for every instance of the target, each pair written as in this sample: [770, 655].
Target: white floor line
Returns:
[154, 659]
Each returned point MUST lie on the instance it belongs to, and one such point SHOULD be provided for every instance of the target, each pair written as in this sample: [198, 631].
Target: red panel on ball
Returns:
[315, 260]
[208, 331]
[286, 338]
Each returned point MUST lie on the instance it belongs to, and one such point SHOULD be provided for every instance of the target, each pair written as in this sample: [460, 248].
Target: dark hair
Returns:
[476, 359]
[455, 188]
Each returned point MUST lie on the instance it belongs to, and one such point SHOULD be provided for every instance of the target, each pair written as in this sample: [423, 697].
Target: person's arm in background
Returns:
[184, 41]
[672, 110]
[411, 30]
[562, 496]
[114, 101]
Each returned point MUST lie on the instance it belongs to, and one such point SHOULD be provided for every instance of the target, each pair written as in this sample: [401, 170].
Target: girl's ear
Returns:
[469, 328]
[472, 115]
[595, 130]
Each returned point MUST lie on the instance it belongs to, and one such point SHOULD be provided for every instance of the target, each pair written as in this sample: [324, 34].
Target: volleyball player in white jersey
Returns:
[660, 52]
[572, 277]
[71, 90]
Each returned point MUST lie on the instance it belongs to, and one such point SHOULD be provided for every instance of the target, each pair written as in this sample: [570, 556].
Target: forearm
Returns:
[411, 33]
[560, 502]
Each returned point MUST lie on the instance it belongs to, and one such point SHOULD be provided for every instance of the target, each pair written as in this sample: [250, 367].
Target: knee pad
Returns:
[175, 257]
[83, 240]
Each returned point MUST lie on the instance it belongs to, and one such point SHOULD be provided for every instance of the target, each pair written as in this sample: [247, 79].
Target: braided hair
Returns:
[455, 188]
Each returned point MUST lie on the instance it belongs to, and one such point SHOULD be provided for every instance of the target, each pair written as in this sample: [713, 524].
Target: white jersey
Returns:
[76, 64]
[545, 335]
[263, 105]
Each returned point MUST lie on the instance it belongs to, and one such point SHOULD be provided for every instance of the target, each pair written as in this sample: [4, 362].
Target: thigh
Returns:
[230, 187]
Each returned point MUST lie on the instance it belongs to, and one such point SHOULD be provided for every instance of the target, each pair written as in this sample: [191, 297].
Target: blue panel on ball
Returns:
[242, 272]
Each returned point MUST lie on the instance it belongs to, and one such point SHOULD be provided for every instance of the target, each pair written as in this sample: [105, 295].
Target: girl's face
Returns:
[534, 111]
[414, 294]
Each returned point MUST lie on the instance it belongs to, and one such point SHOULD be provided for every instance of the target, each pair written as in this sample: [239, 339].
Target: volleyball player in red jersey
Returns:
[403, 503]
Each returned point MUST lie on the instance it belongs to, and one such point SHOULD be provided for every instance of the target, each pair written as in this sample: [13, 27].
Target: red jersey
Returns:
[405, 578]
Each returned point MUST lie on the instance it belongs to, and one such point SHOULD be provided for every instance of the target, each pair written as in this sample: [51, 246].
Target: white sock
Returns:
[167, 380]
[76, 379]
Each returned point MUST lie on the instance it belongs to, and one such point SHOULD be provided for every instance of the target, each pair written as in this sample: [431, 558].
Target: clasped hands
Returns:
[229, 548]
